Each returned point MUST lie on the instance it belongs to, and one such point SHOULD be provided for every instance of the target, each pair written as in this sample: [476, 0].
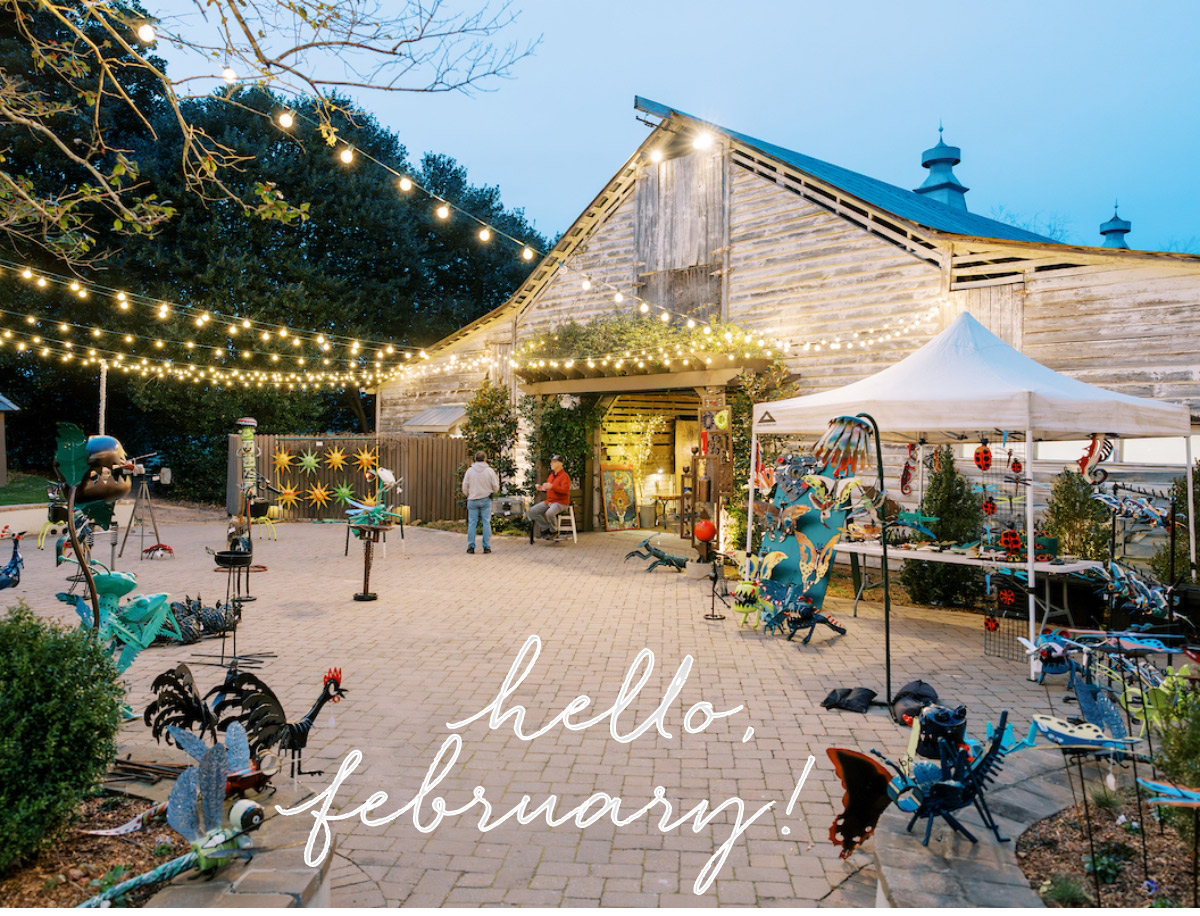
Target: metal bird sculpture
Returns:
[246, 699]
[177, 705]
[10, 575]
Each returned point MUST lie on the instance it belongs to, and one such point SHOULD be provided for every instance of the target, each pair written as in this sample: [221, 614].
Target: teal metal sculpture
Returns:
[127, 628]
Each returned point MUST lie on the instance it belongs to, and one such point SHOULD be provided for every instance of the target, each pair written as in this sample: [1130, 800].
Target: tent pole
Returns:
[750, 489]
[1030, 551]
[1191, 501]
[887, 589]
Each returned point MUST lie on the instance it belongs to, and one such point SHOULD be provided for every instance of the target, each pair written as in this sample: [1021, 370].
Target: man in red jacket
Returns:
[558, 496]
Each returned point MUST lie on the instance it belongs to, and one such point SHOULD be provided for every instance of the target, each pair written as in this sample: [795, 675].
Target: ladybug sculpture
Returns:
[1011, 540]
[983, 457]
[989, 506]
[1016, 467]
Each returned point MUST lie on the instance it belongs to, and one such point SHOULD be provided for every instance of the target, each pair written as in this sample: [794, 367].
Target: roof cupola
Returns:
[1114, 231]
[940, 184]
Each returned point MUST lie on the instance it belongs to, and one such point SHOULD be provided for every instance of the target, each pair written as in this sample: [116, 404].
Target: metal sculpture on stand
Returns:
[370, 523]
[128, 628]
[95, 473]
[158, 548]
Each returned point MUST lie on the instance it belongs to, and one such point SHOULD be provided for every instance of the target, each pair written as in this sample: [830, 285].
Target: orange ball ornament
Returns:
[705, 530]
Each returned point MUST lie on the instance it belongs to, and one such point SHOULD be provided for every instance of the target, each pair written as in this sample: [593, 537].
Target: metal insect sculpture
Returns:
[128, 628]
[983, 457]
[10, 575]
[1099, 449]
[245, 774]
[659, 556]
[828, 495]
[377, 512]
[793, 610]
[928, 791]
[246, 699]
[199, 793]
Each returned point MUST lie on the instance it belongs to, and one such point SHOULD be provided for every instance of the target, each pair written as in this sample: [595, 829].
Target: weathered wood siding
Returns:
[798, 271]
[608, 258]
[447, 382]
[1131, 326]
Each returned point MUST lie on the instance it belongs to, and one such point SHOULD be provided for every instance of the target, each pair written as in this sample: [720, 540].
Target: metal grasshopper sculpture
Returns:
[128, 628]
[659, 556]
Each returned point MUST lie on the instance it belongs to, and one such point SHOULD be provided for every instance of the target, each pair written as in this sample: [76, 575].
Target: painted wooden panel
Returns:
[680, 216]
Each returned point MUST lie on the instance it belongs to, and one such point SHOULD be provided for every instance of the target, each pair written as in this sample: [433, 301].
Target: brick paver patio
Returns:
[436, 647]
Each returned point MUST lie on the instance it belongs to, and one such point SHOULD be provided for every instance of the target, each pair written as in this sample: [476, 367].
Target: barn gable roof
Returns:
[907, 205]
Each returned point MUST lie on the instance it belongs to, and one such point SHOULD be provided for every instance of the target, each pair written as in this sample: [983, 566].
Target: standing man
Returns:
[558, 496]
[479, 483]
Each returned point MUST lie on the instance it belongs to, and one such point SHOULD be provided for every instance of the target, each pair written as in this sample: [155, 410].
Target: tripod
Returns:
[143, 497]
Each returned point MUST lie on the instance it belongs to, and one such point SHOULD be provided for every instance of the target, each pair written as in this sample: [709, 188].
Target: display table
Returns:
[1048, 570]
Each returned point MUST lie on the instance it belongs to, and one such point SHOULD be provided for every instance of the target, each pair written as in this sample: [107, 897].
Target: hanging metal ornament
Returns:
[983, 457]
[989, 506]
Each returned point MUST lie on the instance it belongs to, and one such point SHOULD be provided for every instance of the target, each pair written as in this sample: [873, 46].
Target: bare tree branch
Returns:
[87, 55]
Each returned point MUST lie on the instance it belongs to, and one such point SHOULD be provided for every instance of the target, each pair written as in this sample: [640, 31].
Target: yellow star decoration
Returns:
[289, 496]
[365, 459]
[335, 459]
[318, 495]
[282, 460]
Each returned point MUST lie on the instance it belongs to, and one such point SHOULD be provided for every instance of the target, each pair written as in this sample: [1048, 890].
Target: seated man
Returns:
[558, 497]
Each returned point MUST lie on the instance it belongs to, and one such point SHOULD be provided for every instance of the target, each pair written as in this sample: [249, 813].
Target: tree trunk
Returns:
[355, 402]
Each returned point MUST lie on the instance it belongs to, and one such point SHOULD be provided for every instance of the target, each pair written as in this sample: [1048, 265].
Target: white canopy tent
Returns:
[967, 382]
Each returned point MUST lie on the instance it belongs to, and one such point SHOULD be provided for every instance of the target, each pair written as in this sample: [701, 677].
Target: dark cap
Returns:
[557, 458]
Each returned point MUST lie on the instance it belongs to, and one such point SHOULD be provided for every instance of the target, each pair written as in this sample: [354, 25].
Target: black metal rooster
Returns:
[177, 702]
[246, 699]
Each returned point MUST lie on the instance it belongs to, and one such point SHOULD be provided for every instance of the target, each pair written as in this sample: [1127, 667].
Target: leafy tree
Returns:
[1161, 561]
[948, 497]
[774, 384]
[1081, 524]
[365, 243]
[74, 69]
[490, 426]
[557, 429]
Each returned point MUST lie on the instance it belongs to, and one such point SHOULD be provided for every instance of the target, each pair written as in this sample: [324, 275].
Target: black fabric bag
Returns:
[910, 699]
[855, 699]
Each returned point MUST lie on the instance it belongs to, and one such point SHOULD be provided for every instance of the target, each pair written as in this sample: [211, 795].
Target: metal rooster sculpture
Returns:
[177, 704]
[246, 699]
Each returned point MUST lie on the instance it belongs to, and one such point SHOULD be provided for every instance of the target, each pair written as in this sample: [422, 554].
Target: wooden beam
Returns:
[648, 382]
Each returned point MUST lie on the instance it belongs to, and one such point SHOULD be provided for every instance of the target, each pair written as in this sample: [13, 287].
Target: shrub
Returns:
[1178, 751]
[60, 708]
[555, 429]
[1082, 525]
[959, 514]
[490, 426]
[1161, 561]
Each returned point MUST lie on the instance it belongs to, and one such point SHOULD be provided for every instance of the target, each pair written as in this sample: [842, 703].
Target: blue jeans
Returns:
[479, 510]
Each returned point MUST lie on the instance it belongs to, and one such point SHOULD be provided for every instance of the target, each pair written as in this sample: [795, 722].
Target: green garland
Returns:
[634, 336]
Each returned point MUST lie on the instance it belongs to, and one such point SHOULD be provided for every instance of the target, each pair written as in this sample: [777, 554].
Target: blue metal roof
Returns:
[899, 202]
[6, 404]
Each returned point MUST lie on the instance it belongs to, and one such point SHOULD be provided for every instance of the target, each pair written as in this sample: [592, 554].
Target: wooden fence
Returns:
[317, 473]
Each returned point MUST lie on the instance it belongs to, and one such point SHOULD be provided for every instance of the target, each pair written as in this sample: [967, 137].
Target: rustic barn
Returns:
[848, 273]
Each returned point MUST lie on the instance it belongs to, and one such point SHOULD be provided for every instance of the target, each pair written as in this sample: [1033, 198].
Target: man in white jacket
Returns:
[479, 483]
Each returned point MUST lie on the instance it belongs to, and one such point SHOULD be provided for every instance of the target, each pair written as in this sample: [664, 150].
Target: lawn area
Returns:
[23, 489]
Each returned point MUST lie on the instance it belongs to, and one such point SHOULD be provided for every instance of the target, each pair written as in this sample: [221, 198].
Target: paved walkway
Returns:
[436, 647]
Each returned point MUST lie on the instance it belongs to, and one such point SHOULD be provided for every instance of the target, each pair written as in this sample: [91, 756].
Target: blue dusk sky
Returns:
[1059, 107]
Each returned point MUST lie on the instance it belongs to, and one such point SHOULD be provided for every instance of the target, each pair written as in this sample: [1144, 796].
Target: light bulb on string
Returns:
[346, 155]
[485, 234]
[443, 212]
[229, 76]
[618, 297]
[527, 253]
[145, 33]
[586, 284]
[643, 307]
[287, 120]
[405, 183]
